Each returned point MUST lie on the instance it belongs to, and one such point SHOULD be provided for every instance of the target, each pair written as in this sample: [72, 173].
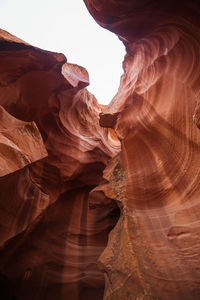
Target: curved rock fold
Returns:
[88, 190]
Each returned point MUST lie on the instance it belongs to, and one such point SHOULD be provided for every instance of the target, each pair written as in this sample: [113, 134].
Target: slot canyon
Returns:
[103, 202]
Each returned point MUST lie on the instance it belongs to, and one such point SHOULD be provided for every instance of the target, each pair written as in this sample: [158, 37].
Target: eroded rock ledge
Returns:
[64, 177]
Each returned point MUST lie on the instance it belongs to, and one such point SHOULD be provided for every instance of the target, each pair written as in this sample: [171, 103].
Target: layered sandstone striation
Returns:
[69, 166]
[153, 251]
[53, 152]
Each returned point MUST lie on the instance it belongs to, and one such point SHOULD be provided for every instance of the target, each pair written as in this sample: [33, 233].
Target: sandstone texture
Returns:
[53, 152]
[154, 250]
[103, 202]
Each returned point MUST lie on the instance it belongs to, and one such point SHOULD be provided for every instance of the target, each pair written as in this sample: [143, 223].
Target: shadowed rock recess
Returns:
[91, 193]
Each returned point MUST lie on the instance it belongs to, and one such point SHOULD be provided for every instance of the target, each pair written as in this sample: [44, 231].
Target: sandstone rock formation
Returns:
[80, 164]
[50, 237]
[154, 250]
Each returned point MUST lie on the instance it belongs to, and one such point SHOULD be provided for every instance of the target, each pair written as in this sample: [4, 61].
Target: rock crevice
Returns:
[88, 190]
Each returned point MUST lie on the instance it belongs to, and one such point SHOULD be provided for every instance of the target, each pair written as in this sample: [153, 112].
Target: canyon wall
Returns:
[52, 155]
[153, 251]
[91, 193]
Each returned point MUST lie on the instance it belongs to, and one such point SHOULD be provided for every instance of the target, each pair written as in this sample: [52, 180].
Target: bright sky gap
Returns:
[66, 26]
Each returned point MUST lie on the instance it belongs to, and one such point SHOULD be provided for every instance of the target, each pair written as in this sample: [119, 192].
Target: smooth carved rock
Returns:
[20, 144]
[61, 209]
[51, 237]
[153, 251]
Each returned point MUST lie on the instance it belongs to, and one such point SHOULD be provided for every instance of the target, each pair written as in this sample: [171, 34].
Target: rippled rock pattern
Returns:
[53, 152]
[79, 163]
[154, 250]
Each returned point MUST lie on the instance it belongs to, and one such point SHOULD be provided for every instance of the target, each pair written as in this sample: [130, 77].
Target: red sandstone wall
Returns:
[153, 251]
[63, 183]
[53, 152]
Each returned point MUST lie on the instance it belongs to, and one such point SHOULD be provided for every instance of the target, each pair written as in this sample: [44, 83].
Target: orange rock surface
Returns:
[81, 182]
[53, 152]
[154, 250]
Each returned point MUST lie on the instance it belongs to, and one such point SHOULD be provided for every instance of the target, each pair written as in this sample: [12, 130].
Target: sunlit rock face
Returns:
[153, 251]
[53, 227]
[64, 177]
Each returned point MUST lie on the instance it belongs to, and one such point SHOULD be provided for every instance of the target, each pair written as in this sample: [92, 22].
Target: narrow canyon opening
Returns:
[67, 27]
[102, 202]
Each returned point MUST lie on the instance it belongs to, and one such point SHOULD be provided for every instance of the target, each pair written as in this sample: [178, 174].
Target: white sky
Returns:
[66, 26]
